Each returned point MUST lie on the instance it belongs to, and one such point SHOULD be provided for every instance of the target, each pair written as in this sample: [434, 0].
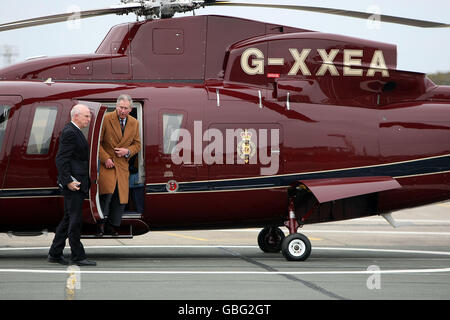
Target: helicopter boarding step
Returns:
[131, 225]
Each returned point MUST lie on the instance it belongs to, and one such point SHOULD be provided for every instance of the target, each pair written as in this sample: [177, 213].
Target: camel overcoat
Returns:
[111, 137]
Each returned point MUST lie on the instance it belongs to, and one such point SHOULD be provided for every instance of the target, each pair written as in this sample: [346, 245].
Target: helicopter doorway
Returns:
[135, 208]
[6, 112]
[9, 106]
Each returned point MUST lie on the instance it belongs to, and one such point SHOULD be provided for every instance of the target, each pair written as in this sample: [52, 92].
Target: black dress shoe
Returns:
[60, 260]
[100, 229]
[84, 262]
[109, 229]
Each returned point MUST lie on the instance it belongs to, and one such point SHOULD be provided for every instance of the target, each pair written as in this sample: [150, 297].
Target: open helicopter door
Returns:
[131, 224]
[92, 134]
[8, 106]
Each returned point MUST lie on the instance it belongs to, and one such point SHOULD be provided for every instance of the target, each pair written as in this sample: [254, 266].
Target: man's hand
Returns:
[109, 164]
[121, 152]
[74, 186]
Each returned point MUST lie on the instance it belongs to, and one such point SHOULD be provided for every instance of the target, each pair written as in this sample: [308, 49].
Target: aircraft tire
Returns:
[296, 247]
[270, 239]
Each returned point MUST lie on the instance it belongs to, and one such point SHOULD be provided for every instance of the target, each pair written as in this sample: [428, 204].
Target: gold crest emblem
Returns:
[246, 149]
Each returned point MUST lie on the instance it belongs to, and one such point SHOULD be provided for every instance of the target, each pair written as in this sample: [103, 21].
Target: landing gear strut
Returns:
[296, 246]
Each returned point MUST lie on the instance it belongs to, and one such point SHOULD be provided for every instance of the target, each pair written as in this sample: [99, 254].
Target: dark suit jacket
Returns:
[72, 158]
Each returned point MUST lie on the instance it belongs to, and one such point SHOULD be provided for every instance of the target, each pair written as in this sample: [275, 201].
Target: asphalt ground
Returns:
[361, 259]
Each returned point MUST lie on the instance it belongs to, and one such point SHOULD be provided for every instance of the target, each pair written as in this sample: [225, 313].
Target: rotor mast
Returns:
[157, 9]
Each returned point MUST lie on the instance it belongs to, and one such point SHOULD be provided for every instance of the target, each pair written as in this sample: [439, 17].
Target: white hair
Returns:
[77, 110]
[125, 97]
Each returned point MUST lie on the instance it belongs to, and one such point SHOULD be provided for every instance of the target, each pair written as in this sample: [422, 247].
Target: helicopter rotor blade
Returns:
[169, 7]
[346, 13]
[120, 9]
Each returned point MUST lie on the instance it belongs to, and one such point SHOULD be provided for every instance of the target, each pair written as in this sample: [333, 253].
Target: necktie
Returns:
[122, 124]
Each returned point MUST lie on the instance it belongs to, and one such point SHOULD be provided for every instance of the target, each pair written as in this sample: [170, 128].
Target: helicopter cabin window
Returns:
[171, 134]
[41, 130]
[4, 114]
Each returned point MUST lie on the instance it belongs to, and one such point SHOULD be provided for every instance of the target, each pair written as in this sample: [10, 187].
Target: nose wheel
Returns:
[296, 247]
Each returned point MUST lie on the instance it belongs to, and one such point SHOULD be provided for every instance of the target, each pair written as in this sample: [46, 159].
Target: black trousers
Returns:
[138, 196]
[70, 227]
[111, 207]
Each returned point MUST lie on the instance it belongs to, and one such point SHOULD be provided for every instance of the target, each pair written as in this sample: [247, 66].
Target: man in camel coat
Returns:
[119, 141]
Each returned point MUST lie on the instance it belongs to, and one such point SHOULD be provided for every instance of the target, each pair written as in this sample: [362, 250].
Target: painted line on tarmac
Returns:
[445, 253]
[423, 233]
[224, 272]
[383, 232]
[193, 272]
[183, 236]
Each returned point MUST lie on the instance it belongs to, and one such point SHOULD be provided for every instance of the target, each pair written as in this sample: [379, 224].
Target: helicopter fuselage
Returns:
[233, 126]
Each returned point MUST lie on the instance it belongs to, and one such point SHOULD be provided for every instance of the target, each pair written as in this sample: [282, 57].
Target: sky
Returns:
[418, 49]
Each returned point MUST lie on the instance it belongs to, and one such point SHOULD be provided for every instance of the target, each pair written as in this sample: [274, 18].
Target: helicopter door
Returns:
[7, 110]
[92, 134]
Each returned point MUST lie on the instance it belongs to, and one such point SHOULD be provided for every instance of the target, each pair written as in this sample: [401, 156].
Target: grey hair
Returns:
[125, 97]
[76, 110]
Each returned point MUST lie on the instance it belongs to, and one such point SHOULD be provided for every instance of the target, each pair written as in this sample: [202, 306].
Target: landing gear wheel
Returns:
[270, 239]
[296, 247]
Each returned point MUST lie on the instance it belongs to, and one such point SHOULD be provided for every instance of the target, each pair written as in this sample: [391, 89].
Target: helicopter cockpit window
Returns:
[4, 114]
[171, 122]
[41, 130]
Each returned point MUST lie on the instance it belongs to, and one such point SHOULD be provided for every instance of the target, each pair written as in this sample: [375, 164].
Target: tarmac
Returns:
[361, 259]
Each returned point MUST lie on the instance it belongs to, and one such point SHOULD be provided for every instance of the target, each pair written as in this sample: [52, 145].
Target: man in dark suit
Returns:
[72, 162]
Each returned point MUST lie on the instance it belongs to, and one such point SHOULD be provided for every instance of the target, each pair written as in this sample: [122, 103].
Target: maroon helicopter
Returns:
[263, 125]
